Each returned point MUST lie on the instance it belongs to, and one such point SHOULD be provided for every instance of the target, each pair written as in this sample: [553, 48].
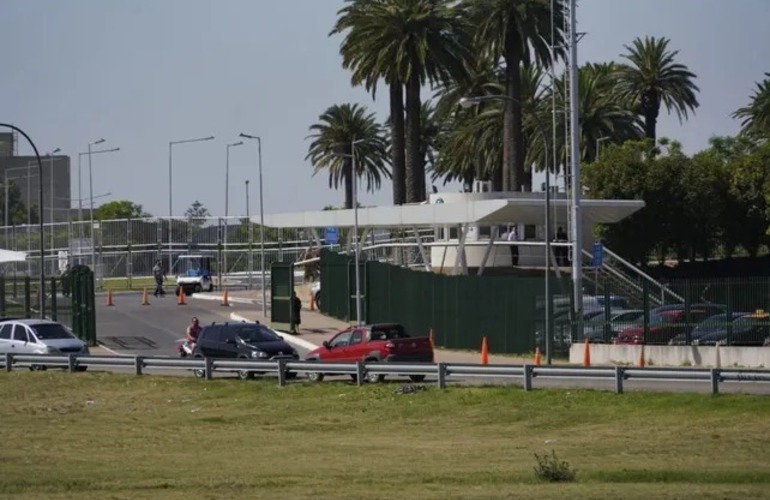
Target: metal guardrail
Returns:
[442, 371]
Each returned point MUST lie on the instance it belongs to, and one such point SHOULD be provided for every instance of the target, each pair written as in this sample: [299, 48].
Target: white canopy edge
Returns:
[482, 212]
[12, 256]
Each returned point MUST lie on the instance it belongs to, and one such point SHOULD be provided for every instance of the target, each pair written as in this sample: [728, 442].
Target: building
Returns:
[23, 172]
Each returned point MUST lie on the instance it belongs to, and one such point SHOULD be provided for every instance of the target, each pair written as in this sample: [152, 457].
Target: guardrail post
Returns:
[71, 363]
[441, 375]
[281, 372]
[620, 374]
[527, 377]
[138, 364]
[715, 381]
[8, 361]
[360, 373]
[208, 371]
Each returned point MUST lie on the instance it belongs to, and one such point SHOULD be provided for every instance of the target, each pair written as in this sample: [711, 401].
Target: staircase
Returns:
[621, 277]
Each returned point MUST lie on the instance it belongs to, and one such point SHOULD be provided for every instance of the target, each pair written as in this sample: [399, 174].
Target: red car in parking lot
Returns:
[664, 326]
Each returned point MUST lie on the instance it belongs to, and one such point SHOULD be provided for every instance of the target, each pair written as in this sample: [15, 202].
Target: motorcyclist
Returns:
[192, 333]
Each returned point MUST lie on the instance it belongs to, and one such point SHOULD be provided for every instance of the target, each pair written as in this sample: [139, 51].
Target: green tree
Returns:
[653, 78]
[755, 118]
[17, 210]
[120, 209]
[331, 148]
[407, 43]
[518, 31]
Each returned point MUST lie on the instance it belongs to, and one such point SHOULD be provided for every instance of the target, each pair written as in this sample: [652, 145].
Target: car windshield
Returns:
[50, 331]
[389, 332]
[255, 333]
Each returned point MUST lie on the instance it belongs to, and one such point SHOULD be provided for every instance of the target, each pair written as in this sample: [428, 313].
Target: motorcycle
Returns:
[185, 349]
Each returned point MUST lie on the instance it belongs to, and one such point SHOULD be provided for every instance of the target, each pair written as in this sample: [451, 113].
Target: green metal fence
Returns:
[460, 310]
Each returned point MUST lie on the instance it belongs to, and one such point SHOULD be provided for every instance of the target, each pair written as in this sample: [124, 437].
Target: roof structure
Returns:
[481, 212]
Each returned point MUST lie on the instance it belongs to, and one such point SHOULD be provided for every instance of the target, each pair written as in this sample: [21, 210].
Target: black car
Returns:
[243, 341]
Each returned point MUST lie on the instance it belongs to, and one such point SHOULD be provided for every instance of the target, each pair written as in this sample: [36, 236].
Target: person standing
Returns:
[296, 310]
[160, 276]
[513, 235]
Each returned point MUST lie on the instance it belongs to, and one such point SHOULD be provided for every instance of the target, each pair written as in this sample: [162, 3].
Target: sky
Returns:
[141, 73]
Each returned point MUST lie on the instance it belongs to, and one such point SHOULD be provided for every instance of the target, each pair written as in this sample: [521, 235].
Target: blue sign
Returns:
[331, 235]
[598, 255]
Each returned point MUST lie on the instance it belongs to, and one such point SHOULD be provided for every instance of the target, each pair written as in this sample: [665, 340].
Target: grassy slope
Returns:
[115, 436]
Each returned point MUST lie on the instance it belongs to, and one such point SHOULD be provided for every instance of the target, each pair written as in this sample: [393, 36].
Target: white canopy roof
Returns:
[11, 256]
[482, 212]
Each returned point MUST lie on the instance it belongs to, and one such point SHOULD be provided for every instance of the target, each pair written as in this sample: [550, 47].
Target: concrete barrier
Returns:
[664, 355]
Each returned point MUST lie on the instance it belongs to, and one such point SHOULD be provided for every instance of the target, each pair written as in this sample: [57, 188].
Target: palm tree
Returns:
[517, 31]
[406, 42]
[755, 118]
[652, 78]
[331, 148]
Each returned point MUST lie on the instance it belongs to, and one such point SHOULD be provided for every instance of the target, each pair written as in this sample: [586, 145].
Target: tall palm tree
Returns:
[410, 43]
[331, 149]
[518, 31]
[755, 118]
[653, 77]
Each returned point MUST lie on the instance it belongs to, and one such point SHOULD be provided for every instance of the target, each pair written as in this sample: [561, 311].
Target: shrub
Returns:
[550, 469]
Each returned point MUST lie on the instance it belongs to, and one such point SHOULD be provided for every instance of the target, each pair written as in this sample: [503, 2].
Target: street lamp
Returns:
[170, 184]
[91, 204]
[261, 219]
[251, 235]
[357, 256]
[42, 238]
[467, 102]
[81, 199]
[227, 195]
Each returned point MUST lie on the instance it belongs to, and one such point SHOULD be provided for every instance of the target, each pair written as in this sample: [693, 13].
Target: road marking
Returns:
[237, 300]
[288, 337]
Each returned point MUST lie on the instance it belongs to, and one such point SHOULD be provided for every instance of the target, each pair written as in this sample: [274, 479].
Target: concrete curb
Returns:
[218, 298]
[288, 337]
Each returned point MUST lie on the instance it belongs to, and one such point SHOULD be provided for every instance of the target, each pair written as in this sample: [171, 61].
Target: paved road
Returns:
[131, 328]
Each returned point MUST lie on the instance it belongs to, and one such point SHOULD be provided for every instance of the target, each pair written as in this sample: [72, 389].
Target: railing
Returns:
[442, 371]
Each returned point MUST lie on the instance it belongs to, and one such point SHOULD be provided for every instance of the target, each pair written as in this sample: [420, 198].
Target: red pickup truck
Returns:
[383, 343]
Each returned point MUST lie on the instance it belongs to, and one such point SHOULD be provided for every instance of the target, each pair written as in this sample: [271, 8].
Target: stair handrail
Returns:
[644, 275]
[617, 274]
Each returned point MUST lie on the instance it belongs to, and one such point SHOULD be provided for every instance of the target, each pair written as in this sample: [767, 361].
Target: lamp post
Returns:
[170, 184]
[81, 198]
[251, 236]
[577, 226]
[51, 210]
[227, 196]
[261, 220]
[467, 102]
[42, 238]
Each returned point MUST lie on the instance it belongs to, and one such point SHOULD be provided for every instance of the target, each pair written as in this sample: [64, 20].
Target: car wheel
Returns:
[291, 375]
[197, 288]
[211, 287]
[245, 375]
[81, 368]
[372, 378]
[315, 376]
[416, 378]
[200, 373]
[37, 368]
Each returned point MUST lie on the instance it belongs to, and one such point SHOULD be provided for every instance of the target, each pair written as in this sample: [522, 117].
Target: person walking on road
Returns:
[160, 276]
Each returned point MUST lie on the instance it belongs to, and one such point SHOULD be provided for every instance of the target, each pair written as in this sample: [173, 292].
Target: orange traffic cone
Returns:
[586, 354]
[225, 299]
[109, 297]
[180, 301]
[312, 302]
[145, 298]
[484, 351]
[538, 358]
[641, 358]
[432, 338]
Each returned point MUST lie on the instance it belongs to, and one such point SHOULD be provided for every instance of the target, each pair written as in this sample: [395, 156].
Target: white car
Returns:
[39, 336]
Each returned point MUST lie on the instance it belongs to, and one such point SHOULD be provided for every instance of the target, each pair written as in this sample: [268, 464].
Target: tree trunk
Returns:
[348, 166]
[650, 109]
[398, 157]
[513, 147]
[415, 174]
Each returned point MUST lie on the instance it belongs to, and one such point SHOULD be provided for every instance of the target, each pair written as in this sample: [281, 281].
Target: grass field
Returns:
[101, 436]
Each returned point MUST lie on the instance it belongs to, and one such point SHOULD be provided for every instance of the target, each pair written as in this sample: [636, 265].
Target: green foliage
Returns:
[550, 468]
[120, 209]
[755, 117]
[17, 210]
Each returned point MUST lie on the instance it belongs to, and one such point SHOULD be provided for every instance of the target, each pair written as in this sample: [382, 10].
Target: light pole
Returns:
[42, 238]
[251, 236]
[467, 102]
[261, 220]
[227, 196]
[599, 142]
[51, 210]
[577, 226]
[91, 196]
[81, 198]
[170, 184]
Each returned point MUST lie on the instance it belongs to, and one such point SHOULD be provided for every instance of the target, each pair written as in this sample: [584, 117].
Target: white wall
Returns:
[664, 355]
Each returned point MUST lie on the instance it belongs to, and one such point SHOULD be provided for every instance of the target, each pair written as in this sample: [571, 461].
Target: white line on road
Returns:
[237, 300]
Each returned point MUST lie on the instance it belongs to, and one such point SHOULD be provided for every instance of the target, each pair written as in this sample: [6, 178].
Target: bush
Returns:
[550, 469]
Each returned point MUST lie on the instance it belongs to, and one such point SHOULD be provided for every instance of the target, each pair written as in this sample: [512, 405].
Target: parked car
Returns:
[39, 336]
[594, 329]
[382, 343]
[242, 341]
[748, 330]
[715, 323]
[666, 324]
